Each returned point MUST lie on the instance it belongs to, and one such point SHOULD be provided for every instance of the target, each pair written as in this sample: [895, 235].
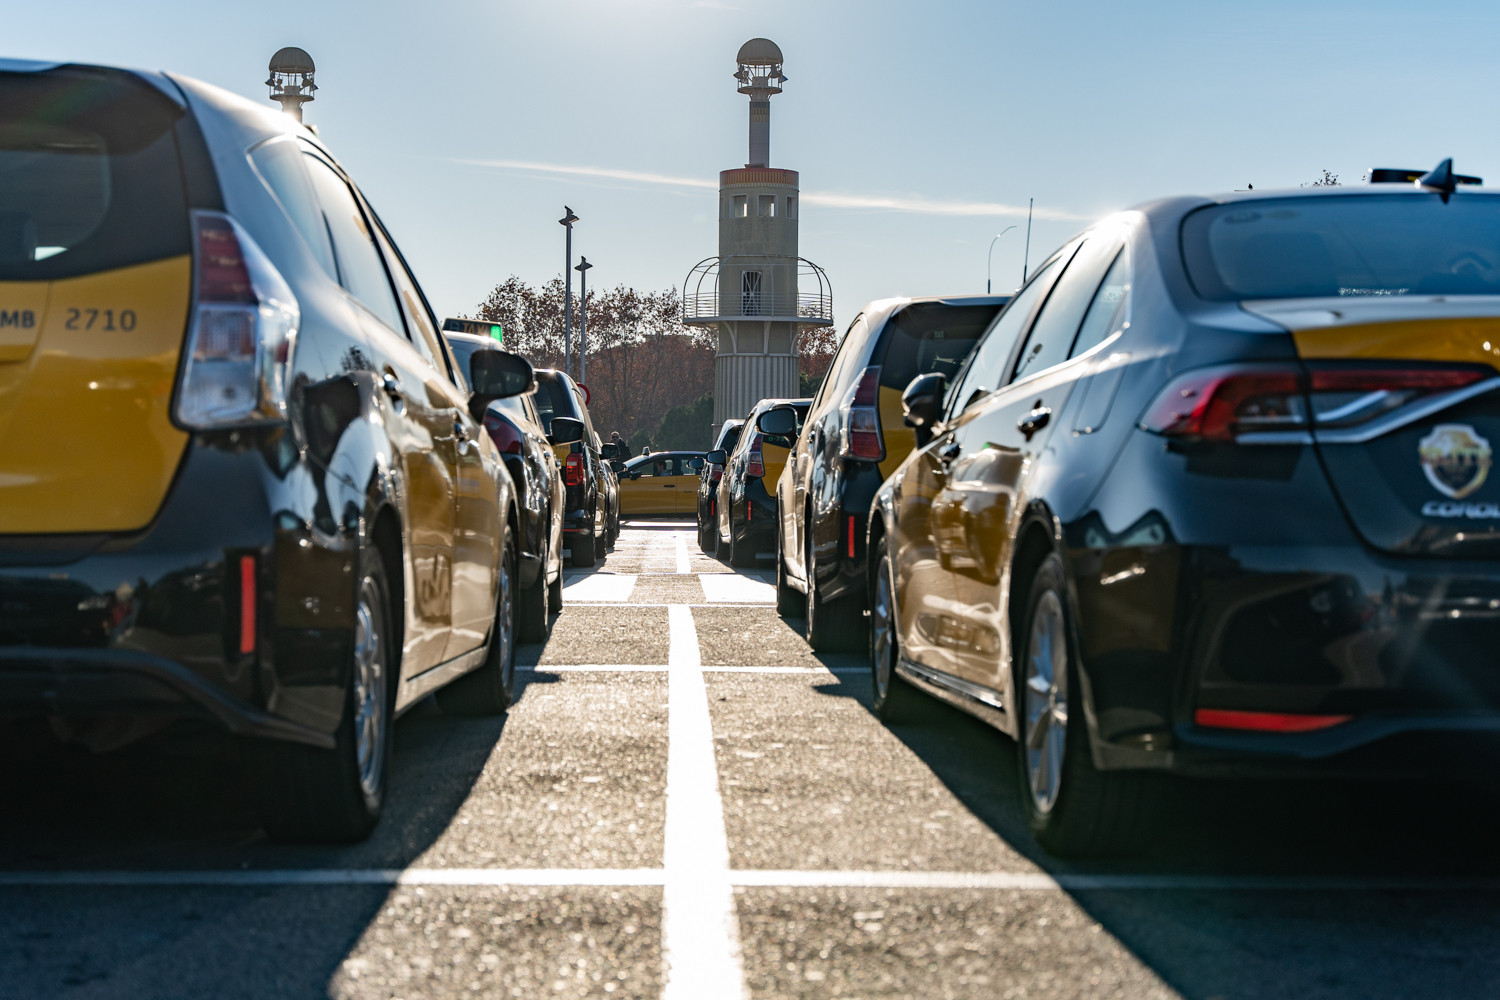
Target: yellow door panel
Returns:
[685, 496]
[639, 496]
[899, 438]
[774, 458]
[85, 409]
[1471, 339]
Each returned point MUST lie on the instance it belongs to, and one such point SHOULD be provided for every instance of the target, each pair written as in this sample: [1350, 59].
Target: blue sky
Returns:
[954, 113]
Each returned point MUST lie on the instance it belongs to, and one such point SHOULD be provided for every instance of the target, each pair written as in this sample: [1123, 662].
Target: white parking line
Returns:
[755, 879]
[597, 587]
[724, 588]
[683, 565]
[699, 927]
[583, 668]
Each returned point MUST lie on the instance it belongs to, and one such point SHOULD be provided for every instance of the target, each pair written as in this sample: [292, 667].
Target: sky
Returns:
[921, 130]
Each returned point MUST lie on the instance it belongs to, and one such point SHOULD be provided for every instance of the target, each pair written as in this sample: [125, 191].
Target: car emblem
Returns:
[1455, 459]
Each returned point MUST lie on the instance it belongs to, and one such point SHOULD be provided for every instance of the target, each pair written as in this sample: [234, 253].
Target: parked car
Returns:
[709, 474]
[516, 428]
[854, 437]
[244, 481]
[658, 483]
[1211, 498]
[591, 518]
[746, 521]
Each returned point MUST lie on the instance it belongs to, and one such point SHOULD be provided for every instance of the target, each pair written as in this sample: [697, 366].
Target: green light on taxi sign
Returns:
[476, 327]
[497, 333]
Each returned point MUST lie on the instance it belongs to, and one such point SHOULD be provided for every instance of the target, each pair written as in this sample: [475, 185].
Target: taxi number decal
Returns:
[105, 319]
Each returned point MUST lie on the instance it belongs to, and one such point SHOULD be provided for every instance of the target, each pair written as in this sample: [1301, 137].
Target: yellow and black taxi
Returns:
[591, 508]
[662, 482]
[241, 480]
[1213, 497]
[745, 522]
[709, 475]
[854, 437]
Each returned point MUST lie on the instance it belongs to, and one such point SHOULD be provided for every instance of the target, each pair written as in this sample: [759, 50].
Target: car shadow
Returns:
[1217, 942]
[182, 800]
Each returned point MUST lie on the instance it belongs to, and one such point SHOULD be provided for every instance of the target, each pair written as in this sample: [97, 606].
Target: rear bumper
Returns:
[753, 517]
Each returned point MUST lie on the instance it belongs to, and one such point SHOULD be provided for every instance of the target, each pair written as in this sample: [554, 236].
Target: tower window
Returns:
[767, 206]
[741, 206]
[750, 301]
[791, 207]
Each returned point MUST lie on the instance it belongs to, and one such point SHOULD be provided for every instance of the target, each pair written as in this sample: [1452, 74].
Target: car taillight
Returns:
[755, 464]
[503, 433]
[573, 470]
[717, 474]
[1226, 403]
[244, 329]
[1267, 722]
[860, 407]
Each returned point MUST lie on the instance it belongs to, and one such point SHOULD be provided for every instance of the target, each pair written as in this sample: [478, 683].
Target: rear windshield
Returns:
[729, 436]
[1351, 245]
[89, 175]
[553, 400]
[931, 337]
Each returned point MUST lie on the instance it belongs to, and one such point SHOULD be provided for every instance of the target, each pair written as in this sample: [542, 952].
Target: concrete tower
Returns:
[757, 292]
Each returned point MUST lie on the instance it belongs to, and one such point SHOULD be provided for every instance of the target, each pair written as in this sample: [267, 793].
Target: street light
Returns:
[567, 223]
[583, 319]
[990, 257]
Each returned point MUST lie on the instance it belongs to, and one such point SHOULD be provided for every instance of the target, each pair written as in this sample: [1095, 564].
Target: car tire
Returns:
[531, 608]
[315, 795]
[554, 594]
[601, 545]
[836, 626]
[711, 537]
[490, 688]
[584, 552]
[741, 552]
[789, 603]
[1073, 808]
[894, 700]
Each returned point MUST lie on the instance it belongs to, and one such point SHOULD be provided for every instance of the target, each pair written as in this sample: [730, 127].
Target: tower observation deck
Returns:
[757, 292]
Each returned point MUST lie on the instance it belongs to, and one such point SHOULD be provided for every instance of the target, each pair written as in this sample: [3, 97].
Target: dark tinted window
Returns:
[931, 337]
[1107, 311]
[360, 267]
[986, 369]
[1345, 245]
[729, 436]
[280, 164]
[89, 174]
[1052, 334]
[552, 400]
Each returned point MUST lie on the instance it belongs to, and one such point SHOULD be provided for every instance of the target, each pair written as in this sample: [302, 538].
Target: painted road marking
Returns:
[683, 565]
[587, 587]
[735, 589]
[754, 878]
[584, 668]
[699, 927]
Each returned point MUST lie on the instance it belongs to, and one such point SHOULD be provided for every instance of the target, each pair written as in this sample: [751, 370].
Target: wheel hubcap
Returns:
[882, 635]
[503, 625]
[1046, 694]
[369, 689]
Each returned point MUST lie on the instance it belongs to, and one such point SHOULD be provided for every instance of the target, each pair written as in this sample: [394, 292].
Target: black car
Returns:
[709, 474]
[591, 508]
[1213, 497]
[854, 437]
[516, 428]
[745, 524]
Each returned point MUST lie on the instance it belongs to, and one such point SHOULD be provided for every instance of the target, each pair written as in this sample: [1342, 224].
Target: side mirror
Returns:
[617, 465]
[922, 403]
[720, 457]
[695, 463]
[635, 475]
[778, 421]
[565, 430]
[497, 375]
[608, 450]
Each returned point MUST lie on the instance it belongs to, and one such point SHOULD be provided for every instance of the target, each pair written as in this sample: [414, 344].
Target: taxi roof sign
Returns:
[477, 327]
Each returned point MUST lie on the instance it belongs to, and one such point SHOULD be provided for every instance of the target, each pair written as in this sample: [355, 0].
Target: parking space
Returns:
[685, 801]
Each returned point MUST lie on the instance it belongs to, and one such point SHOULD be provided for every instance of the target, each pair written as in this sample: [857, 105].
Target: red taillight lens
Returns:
[1221, 404]
[503, 433]
[861, 408]
[222, 273]
[1266, 722]
[851, 536]
[717, 474]
[755, 464]
[247, 604]
[573, 470]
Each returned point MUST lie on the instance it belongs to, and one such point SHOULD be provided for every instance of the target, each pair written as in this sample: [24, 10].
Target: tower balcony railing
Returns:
[749, 290]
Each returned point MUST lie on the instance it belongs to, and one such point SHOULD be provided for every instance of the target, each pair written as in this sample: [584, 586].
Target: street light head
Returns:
[583, 264]
[569, 218]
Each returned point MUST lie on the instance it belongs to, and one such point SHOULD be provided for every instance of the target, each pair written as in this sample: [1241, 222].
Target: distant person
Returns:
[622, 450]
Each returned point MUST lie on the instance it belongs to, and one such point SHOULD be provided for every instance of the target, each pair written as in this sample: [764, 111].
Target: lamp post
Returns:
[990, 258]
[583, 318]
[567, 223]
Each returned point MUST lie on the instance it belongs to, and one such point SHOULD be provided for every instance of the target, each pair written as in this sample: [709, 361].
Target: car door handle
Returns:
[392, 387]
[1034, 421]
[461, 433]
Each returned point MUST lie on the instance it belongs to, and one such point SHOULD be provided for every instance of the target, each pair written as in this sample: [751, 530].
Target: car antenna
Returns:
[1440, 179]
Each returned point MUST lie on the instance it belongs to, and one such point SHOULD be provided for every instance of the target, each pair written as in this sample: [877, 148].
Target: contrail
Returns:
[918, 205]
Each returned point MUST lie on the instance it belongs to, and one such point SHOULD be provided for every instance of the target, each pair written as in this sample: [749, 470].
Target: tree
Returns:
[1328, 179]
[642, 359]
[816, 346]
[686, 428]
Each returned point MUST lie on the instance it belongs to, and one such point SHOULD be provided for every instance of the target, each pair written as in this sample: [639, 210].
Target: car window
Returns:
[421, 325]
[359, 266]
[851, 347]
[986, 367]
[281, 165]
[930, 337]
[1056, 326]
[1107, 311]
[729, 435]
[552, 400]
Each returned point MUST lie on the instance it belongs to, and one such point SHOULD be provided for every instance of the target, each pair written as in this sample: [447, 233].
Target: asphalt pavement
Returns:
[687, 803]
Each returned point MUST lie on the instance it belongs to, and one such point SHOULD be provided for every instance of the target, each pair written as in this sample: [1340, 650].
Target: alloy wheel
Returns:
[1046, 696]
[882, 634]
[369, 688]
